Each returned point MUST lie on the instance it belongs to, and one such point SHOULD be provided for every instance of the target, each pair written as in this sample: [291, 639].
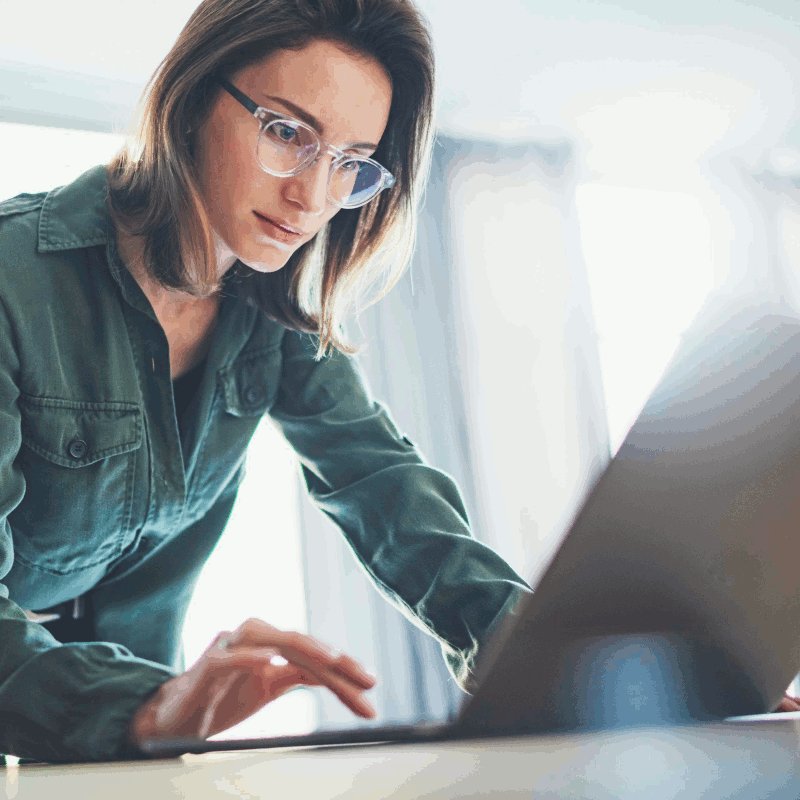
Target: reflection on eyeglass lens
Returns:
[288, 149]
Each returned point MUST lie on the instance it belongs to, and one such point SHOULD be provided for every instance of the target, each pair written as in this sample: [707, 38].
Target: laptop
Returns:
[673, 596]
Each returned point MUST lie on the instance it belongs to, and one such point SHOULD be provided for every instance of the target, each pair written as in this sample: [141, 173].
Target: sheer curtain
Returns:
[779, 190]
[754, 207]
[485, 356]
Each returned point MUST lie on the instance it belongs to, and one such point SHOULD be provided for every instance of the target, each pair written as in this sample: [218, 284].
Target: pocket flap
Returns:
[74, 433]
[250, 384]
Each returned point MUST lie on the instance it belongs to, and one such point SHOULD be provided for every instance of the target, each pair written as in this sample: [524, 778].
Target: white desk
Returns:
[744, 759]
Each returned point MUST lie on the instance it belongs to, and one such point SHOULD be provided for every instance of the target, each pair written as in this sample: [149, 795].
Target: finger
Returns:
[307, 672]
[256, 632]
[352, 668]
[788, 704]
[220, 641]
[216, 663]
[302, 649]
[352, 696]
[250, 692]
[246, 691]
[287, 677]
[206, 699]
[334, 675]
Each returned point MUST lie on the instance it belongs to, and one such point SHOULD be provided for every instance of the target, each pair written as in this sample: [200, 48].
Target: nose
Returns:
[309, 189]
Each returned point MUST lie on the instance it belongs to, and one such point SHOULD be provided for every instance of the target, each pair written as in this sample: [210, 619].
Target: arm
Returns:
[404, 520]
[57, 702]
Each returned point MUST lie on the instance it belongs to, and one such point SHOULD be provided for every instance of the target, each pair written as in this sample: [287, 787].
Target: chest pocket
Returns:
[79, 460]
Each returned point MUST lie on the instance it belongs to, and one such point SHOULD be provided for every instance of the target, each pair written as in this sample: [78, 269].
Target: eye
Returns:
[283, 132]
[350, 166]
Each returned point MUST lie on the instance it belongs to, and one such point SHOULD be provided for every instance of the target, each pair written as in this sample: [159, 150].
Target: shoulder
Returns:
[306, 346]
[23, 203]
[19, 224]
[299, 343]
[24, 270]
[62, 218]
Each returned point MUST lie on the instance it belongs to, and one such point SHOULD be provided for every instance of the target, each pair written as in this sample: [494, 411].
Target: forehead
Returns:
[348, 94]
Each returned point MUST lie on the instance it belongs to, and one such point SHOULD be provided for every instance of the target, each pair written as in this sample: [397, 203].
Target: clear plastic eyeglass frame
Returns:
[266, 116]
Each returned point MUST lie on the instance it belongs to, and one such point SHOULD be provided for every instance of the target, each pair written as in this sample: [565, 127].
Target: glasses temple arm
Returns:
[240, 96]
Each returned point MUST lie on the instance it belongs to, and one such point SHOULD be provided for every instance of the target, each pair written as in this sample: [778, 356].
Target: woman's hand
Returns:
[789, 703]
[241, 672]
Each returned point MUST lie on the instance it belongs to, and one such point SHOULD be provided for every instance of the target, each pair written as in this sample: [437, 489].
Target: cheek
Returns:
[236, 191]
[330, 213]
[227, 161]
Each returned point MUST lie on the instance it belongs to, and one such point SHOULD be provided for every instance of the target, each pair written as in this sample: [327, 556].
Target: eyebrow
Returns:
[310, 119]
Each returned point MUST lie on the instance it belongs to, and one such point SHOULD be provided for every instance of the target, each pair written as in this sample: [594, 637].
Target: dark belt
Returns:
[69, 609]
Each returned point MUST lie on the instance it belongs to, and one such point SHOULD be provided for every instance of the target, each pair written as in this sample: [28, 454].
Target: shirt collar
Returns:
[75, 215]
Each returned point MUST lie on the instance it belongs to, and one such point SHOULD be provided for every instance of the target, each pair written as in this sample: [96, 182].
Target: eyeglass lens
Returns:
[287, 149]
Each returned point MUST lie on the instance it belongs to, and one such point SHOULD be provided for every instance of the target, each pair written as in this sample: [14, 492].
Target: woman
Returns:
[152, 312]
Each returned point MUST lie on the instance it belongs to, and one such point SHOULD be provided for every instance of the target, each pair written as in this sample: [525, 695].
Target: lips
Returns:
[275, 229]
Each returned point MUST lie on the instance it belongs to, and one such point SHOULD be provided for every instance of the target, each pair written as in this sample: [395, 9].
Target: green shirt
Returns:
[99, 494]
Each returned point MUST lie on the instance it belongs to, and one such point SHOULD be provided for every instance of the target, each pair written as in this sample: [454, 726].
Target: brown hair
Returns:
[153, 186]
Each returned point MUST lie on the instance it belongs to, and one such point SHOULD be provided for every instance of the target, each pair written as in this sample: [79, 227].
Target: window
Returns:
[649, 257]
[257, 571]
[37, 159]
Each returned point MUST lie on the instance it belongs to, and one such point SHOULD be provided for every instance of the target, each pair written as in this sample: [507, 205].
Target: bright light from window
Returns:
[257, 571]
[650, 264]
[788, 226]
[36, 158]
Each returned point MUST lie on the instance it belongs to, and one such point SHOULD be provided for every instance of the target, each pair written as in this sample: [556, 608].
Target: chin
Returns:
[263, 265]
[265, 268]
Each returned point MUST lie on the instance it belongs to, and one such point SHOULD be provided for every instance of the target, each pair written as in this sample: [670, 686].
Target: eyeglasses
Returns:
[287, 146]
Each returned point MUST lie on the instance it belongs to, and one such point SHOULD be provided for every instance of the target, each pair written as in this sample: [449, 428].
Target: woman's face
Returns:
[348, 96]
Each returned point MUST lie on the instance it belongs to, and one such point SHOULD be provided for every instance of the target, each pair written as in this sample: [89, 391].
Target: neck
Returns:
[131, 250]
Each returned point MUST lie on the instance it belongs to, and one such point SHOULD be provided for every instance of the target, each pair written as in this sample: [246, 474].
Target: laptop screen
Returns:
[688, 537]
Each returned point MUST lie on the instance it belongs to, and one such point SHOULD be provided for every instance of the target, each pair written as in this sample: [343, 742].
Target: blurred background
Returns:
[603, 170]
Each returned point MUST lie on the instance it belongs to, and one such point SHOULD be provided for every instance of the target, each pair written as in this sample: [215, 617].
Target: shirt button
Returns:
[77, 448]
[252, 394]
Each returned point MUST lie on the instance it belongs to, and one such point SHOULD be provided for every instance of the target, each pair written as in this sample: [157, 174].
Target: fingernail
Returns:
[368, 708]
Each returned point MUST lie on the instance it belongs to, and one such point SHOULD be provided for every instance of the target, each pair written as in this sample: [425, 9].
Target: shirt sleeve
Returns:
[57, 702]
[404, 520]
